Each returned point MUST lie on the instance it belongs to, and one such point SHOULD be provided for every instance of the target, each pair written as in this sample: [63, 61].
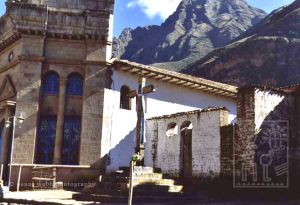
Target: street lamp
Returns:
[12, 123]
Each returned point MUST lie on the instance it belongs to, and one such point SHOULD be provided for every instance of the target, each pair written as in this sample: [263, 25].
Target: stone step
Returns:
[148, 175]
[141, 181]
[157, 190]
[153, 181]
[146, 180]
[136, 175]
[123, 188]
[140, 169]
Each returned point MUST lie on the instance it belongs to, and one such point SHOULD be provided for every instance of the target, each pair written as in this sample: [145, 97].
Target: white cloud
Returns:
[153, 8]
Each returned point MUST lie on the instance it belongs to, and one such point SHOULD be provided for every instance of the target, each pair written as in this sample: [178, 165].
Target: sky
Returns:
[134, 13]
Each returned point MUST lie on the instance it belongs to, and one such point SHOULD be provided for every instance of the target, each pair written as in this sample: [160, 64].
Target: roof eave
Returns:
[180, 80]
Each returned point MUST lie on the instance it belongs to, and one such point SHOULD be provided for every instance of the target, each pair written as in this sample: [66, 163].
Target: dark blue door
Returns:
[46, 140]
[70, 152]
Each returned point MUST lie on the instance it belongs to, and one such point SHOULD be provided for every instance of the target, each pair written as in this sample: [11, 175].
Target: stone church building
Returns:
[56, 72]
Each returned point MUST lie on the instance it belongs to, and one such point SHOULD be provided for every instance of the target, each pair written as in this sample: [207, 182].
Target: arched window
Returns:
[75, 85]
[51, 83]
[125, 100]
[172, 129]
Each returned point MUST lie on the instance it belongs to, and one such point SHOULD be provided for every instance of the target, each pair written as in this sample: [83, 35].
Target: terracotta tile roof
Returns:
[210, 109]
[176, 78]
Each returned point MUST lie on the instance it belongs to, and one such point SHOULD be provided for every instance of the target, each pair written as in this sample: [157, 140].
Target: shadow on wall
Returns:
[120, 155]
[273, 142]
[268, 155]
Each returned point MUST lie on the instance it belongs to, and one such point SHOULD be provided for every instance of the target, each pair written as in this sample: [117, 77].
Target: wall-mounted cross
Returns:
[141, 108]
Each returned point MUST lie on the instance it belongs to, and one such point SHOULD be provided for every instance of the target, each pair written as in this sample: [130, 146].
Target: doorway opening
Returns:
[186, 132]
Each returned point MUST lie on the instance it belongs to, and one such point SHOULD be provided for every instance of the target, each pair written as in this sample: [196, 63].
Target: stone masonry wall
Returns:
[28, 96]
[245, 128]
[71, 4]
[227, 133]
[264, 128]
[64, 36]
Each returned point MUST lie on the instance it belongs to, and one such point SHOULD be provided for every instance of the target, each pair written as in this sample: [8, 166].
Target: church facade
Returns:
[53, 54]
[56, 72]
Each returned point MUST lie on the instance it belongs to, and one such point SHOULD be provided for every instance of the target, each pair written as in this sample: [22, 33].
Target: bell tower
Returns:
[72, 19]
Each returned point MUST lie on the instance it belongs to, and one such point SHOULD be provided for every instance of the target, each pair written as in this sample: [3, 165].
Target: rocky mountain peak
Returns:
[192, 31]
[266, 54]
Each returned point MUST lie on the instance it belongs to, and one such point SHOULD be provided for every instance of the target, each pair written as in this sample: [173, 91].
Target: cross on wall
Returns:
[140, 104]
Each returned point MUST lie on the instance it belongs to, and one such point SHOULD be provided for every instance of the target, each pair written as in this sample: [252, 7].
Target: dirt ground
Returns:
[65, 197]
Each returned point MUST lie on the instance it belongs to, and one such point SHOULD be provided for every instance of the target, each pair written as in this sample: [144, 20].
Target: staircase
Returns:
[146, 180]
[148, 183]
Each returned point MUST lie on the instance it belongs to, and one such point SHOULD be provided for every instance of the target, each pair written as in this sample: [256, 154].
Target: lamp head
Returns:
[21, 118]
[8, 123]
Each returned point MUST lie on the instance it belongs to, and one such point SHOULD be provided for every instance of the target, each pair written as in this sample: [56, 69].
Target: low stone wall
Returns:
[73, 177]
[164, 146]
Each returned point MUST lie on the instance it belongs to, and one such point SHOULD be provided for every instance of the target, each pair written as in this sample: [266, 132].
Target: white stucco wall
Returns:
[164, 151]
[168, 99]
[265, 103]
[206, 145]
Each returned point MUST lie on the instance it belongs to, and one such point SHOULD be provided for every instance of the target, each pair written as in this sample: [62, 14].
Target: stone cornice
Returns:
[74, 12]
[63, 61]
[28, 31]
[75, 62]
[98, 5]
[10, 40]
[10, 4]
[91, 25]
[18, 35]
[102, 38]
[10, 47]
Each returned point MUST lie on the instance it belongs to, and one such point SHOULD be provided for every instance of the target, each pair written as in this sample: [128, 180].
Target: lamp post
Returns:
[8, 123]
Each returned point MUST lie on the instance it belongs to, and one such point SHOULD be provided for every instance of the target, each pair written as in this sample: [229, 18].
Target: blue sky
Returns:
[133, 13]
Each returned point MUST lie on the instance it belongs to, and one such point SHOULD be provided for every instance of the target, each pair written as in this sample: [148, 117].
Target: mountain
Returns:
[266, 54]
[191, 32]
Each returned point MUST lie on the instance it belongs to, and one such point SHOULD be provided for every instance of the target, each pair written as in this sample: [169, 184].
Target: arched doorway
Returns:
[186, 132]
